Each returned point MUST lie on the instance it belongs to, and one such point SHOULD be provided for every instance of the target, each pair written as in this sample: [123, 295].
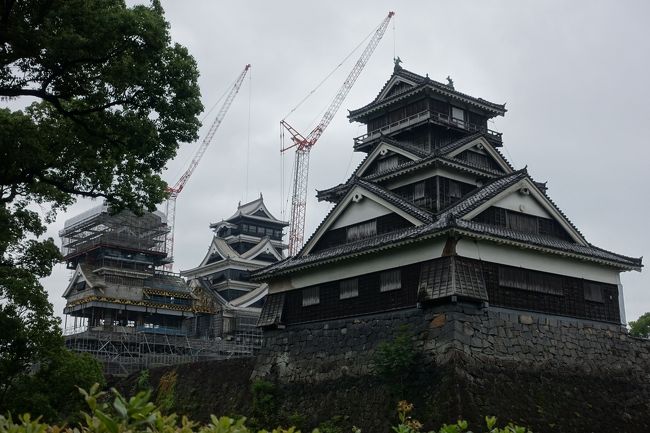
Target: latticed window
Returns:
[522, 223]
[512, 277]
[349, 288]
[361, 231]
[593, 292]
[533, 281]
[390, 280]
[311, 296]
[477, 159]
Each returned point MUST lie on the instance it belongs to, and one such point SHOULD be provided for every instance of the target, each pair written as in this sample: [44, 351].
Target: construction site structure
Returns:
[123, 310]
[304, 144]
[174, 191]
[248, 240]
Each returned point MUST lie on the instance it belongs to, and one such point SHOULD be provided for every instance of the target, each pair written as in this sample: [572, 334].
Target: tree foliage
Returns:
[641, 326]
[105, 97]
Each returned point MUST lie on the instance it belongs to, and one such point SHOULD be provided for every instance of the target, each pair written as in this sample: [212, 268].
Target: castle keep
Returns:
[435, 214]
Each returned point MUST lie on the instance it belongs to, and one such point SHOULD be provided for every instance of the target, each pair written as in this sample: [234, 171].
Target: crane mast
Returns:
[174, 191]
[303, 144]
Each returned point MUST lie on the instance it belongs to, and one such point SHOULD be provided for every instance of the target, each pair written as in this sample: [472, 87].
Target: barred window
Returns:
[387, 163]
[349, 288]
[524, 279]
[593, 292]
[390, 280]
[522, 222]
[418, 190]
[361, 231]
[478, 159]
[512, 277]
[311, 296]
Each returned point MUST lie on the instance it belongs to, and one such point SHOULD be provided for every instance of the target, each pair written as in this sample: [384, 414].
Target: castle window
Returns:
[477, 159]
[390, 280]
[512, 277]
[418, 191]
[311, 296]
[349, 288]
[361, 231]
[593, 292]
[458, 115]
[522, 223]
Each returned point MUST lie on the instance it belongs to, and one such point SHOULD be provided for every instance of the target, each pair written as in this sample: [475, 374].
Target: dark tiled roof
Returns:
[272, 310]
[396, 200]
[483, 194]
[420, 83]
[449, 219]
[451, 276]
[531, 239]
[167, 282]
[447, 149]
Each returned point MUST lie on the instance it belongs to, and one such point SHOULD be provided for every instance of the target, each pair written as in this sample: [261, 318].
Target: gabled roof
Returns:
[220, 247]
[362, 189]
[420, 84]
[490, 193]
[442, 157]
[84, 272]
[264, 246]
[384, 147]
[255, 209]
[458, 218]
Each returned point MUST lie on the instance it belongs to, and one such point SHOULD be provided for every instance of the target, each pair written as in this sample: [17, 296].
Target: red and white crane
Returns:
[174, 191]
[304, 144]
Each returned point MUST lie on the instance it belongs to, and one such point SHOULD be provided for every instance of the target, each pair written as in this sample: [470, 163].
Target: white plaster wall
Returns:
[390, 259]
[358, 212]
[512, 256]
[515, 201]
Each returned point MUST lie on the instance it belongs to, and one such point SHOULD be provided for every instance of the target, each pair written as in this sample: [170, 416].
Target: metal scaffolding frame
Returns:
[122, 350]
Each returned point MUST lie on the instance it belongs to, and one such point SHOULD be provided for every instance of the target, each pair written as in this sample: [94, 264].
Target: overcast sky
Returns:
[574, 76]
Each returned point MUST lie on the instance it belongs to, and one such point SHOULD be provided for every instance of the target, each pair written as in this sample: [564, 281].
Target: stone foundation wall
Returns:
[328, 350]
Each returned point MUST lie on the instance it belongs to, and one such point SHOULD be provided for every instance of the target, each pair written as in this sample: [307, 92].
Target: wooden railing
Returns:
[421, 117]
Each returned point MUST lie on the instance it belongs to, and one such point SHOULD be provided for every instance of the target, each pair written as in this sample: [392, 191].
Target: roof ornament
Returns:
[450, 82]
[397, 61]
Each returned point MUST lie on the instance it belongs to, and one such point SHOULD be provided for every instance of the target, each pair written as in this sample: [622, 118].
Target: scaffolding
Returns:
[127, 313]
[98, 228]
[125, 350]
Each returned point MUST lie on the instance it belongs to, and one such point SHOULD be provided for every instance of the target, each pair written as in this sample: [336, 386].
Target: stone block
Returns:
[438, 320]
[526, 319]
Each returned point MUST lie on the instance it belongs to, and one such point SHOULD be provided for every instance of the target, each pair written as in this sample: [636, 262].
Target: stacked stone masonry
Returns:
[321, 351]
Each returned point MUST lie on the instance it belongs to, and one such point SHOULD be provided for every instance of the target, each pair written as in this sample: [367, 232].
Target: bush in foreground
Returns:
[138, 414]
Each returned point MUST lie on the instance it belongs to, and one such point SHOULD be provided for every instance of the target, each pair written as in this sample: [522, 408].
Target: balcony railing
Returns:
[423, 116]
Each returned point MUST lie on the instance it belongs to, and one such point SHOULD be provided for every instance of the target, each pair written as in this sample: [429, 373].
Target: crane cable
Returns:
[284, 203]
[302, 101]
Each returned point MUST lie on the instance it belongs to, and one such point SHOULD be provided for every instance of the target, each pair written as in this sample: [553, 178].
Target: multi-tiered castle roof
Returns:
[436, 213]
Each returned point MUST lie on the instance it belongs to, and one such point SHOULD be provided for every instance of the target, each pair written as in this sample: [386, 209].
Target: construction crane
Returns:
[304, 144]
[174, 191]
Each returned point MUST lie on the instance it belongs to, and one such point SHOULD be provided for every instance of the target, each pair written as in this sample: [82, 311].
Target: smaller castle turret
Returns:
[248, 240]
